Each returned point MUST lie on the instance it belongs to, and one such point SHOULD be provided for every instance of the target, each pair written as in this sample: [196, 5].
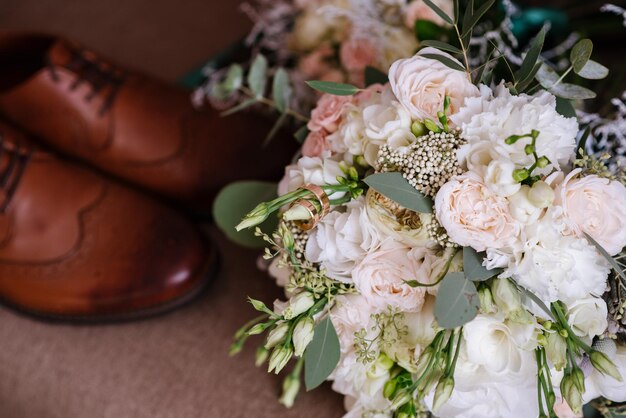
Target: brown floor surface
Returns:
[176, 365]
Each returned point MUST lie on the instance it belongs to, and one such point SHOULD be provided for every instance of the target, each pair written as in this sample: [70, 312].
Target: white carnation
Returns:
[488, 120]
[343, 239]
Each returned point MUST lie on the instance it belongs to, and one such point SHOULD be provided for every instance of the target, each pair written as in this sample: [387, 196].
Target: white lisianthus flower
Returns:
[496, 371]
[311, 170]
[364, 383]
[557, 267]
[385, 116]
[499, 178]
[421, 84]
[342, 239]
[473, 215]
[588, 317]
[596, 206]
[488, 120]
[380, 277]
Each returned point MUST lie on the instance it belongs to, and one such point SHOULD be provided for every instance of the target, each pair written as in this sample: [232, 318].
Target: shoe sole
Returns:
[211, 270]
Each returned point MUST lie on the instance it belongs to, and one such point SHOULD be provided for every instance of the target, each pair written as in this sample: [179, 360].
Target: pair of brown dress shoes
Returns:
[85, 148]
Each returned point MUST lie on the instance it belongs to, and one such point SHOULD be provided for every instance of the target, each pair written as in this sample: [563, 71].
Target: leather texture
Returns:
[128, 124]
[75, 244]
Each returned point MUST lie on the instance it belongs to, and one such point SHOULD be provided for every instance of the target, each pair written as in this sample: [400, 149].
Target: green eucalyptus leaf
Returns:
[375, 76]
[257, 76]
[565, 108]
[530, 295]
[530, 60]
[475, 17]
[338, 89]
[427, 29]
[456, 11]
[521, 87]
[442, 46]
[234, 78]
[234, 202]
[301, 134]
[467, 18]
[321, 355]
[546, 76]
[439, 12]
[593, 71]
[580, 54]
[473, 266]
[571, 91]
[445, 60]
[457, 301]
[241, 106]
[398, 189]
[281, 90]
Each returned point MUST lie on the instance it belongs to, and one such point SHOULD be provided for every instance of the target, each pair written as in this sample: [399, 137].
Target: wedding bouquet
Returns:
[446, 244]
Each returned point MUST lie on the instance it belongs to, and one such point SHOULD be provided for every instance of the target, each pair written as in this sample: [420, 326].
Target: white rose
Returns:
[350, 137]
[596, 206]
[421, 84]
[488, 120]
[381, 277]
[343, 239]
[557, 267]
[311, 170]
[385, 117]
[473, 215]
[401, 224]
[499, 178]
[588, 317]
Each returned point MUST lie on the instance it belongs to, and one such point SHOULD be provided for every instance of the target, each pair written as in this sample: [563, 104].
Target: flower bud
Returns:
[261, 356]
[297, 213]
[389, 390]
[529, 149]
[579, 379]
[384, 361]
[277, 335]
[279, 358]
[431, 126]
[520, 174]
[604, 365]
[255, 217]
[291, 387]
[443, 392]
[400, 399]
[542, 162]
[506, 295]
[556, 349]
[286, 236]
[298, 304]
[487, 305]
[418, 129]
[302, 335]
[541, 195]
[571, 394]
[257, 329]
[424, 359]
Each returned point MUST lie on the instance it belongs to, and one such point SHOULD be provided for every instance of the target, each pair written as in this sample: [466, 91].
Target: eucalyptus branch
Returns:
[272, 104]
[464, 50]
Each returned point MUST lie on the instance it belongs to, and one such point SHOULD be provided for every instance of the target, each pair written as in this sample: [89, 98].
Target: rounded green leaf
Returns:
[457, 301]
[580, 54]
[546, 76]
[235, 201]
[593, 71]
[571, 91]
[395, 187]
[321, 355]
[281, 90]
[473, 266]
[257, 77]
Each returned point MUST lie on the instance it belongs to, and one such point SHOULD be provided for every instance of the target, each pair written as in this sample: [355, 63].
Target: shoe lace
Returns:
[97, 73]
[17, 158]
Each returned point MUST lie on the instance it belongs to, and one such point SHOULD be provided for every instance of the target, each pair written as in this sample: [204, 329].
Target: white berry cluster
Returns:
[437, 233]
[428, 163]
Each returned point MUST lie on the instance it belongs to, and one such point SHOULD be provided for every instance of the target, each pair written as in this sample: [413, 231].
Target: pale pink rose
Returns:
[418, 10]
[316, 63]
[367, 93]
[328, 113]
[596, 206]
[315, 144]
[473, 215]
[421, 84]
[380, 277]
[562, 410]
[356, 54]
[334, 75]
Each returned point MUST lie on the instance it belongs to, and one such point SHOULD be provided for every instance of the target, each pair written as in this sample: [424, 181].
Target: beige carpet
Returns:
[175, 366]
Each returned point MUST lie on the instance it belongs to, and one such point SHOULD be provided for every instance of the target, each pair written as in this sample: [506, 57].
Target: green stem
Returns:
[467, 68]
[539, 385]
[456, 353]
[242, 331]
[570, 334]
[272, 104]
[562, 77]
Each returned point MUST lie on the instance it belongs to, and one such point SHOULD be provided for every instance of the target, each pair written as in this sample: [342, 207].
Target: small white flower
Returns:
[499, 178]
[588, 317]
[311, 170]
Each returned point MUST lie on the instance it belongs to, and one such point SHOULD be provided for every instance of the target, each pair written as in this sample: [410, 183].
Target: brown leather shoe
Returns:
[130, 125]
[74, 245]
